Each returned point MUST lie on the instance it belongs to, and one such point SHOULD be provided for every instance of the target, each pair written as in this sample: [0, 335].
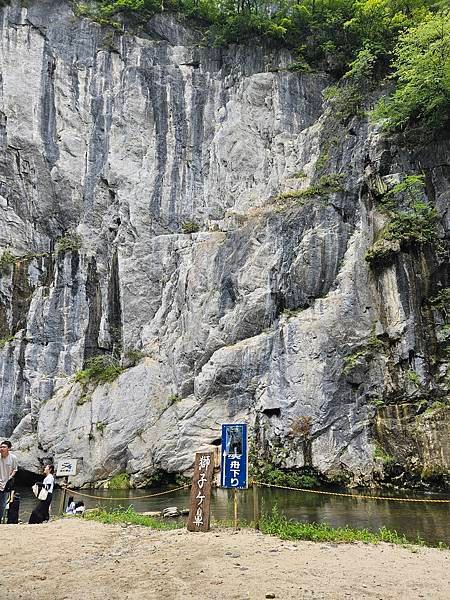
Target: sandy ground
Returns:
[72, 559]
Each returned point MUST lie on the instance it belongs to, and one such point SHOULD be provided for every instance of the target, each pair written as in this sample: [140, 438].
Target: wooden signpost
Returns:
[199, 506]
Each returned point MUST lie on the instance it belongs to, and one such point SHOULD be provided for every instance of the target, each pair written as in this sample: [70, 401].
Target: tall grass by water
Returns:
[272, 523]
[276, 524]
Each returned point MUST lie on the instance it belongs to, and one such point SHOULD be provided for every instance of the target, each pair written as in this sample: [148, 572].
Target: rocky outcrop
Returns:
[113, 146]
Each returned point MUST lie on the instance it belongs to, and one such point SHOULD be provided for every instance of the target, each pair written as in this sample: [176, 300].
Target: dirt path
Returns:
[72, 559]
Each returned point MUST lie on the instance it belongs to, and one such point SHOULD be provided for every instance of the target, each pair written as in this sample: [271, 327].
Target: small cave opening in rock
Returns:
[25, 478]
[272, 412]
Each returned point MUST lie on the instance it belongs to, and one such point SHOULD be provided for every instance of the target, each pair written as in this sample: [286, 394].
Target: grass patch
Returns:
[413, 227]
[272, 524]
[327, 184]
[385, 458]
[100, 427]
[6, 261]
[99, 369]
[129, 516]
[437, 405]
[173, 398]
[6, 340]
[190, 227]
[68, 243]
[121, 481]
[292, 312]
[279, 525]
[269, 474]
[352, 360]
[413, 377]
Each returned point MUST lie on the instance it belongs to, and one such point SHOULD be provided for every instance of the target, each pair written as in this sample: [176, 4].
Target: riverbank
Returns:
[74, 559]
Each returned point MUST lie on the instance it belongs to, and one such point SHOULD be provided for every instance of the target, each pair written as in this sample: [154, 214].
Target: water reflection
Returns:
[429, 521]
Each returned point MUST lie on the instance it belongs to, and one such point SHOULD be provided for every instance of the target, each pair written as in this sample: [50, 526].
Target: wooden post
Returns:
[199, 505]
[256, 505]
[235, 507]
[63, 504]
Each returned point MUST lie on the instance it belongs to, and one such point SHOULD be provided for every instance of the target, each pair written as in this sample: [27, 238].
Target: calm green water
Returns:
[429, 521]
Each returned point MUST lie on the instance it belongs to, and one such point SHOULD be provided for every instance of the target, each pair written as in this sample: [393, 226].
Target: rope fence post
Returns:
[63, 505]
[256, 512]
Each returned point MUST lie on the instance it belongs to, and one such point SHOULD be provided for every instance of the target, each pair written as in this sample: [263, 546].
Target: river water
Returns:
[429, 521]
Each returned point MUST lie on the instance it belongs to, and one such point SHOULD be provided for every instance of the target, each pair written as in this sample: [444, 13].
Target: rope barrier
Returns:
[76, 493]
[270, 485]
[285, 487]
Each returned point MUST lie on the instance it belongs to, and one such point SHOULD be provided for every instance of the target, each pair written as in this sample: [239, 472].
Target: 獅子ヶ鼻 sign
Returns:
[234, 467]
[201, 492]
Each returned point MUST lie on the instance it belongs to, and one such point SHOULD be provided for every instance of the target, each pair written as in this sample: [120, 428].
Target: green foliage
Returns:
[70, 242]
[129, 515]
[442, 301]
[133, 357]
[266, 472]
[381, 252]
[437, 406]
[189, 227]
[5, 340]
[120, 481]
[7, 260]
[173, 398]
[415, 226]
[327, 184]
[108, 12]
[412, 186]
[368, 351]
[381, 455]
[352, 360]
[292, 312]
[413, 377]
[279, 525]
[100, 427]
[422, 70]
[299, 66]
[99, 369]
[345, 100]
[83, 399]
[362, 39]
[377, 402]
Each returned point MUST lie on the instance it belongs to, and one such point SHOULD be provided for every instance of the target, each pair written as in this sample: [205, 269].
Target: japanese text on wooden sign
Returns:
[199, 512]
[234, 465]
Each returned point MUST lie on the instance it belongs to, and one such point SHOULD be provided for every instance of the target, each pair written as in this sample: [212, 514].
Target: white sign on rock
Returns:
[66, 467]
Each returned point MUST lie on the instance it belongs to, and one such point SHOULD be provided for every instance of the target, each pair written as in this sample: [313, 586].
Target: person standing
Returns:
[41, 512]
[8, 468]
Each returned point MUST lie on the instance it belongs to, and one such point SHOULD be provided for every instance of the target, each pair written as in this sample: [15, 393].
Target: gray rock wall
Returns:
[115, 142]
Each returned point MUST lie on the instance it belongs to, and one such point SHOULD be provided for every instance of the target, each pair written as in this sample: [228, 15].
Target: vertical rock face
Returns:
[111, 147]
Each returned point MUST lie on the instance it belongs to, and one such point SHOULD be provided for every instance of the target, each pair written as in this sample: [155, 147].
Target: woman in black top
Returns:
[41, 512]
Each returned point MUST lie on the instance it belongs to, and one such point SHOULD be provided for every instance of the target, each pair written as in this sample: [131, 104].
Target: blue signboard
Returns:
[234, 456]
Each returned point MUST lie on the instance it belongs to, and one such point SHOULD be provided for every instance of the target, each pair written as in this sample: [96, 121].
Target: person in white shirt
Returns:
[8, 468]
[41, 512]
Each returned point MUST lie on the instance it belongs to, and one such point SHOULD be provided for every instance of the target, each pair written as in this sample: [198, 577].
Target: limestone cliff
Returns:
[113, 148]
